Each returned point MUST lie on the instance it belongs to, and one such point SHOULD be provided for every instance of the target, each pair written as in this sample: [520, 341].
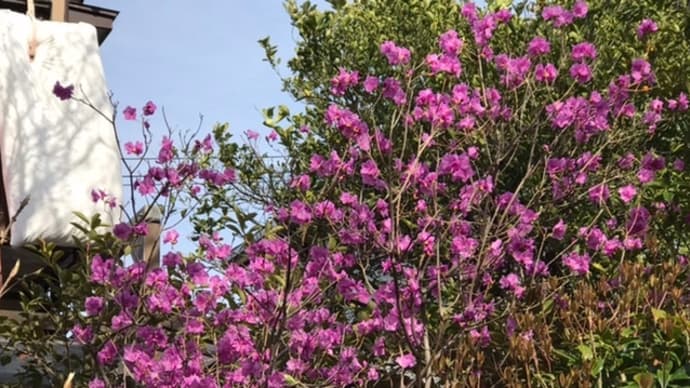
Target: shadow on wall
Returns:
[56, 152]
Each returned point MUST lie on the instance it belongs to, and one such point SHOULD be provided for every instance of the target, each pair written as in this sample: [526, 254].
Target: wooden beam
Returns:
[152, 246]
[58, 10]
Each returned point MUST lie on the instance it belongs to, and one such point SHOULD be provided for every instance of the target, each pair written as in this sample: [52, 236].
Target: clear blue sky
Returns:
[197, 58]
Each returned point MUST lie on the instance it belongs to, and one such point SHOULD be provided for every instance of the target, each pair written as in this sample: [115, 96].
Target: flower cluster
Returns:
[445, 219]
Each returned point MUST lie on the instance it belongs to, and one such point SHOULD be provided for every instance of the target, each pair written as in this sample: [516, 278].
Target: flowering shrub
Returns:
[492, 206]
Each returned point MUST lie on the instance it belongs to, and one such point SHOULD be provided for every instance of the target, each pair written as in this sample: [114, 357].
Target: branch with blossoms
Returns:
[486, 213]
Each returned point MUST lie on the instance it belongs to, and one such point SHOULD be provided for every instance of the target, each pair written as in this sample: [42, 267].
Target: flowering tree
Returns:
[475, 197]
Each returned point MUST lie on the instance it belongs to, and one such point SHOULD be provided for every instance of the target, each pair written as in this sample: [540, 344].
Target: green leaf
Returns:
[658, 314]
[270, 51]
[597, 367]
[644, 380]
[585, 352]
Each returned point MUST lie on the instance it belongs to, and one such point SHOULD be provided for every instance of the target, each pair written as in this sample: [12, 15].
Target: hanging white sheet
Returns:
[54, 152]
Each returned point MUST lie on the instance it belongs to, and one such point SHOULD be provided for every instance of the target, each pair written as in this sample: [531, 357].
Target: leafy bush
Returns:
[472, 197]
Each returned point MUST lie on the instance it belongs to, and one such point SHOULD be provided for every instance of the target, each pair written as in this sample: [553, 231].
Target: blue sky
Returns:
[197, 59]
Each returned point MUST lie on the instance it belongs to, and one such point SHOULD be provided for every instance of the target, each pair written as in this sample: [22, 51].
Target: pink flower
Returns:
[545, 73]
[450, 43]
[512, 282]
[96, 383]
[371, 84]
[638, 221]
[557, 15]
[94, 305]
[302, 183]
[679, 165]
[343, 81]
[581, 73]
[558, 230]
[444, 64]
[251, 135]
[582, 51]
[627, 193]
[406, 361]
[136, 148]
[646, 27]
[641, 71]
[167, 151]
[171, 237]
[107, 354]
[538, 46]
[370, 173]
[83, 335]
[149, 109]
[299, 212]
[578, 263]
[101, 269]
[580, 9]
[123, 231]
[130, 113]
[63, 92]
[599, 194]
[394, 54]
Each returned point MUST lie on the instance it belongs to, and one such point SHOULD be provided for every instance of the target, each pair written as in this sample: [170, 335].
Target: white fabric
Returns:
[54, 152]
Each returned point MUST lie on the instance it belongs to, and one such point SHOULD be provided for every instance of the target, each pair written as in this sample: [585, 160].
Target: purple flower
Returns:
[406, 361]
[641, 71]
[581, 73]
[678, 165]
[171, 237]
[370, 173]
[558, 230]
[94, 305]
[638, 221]
[512, 282]
[251, 135]
[130, 113]
[96, 383]
[394, 91]
[458, 166]
[167, 151]
[599, 194]
[134, 148]
[557, 15]
[646, 27]
[149, 109]
[107, 354]
[580, 9]
[172, 259]
[444, 64]
[582, 51]
[123, 231]
[538, 46]
[449, 43]
[101, 269]
[371, 84]
[63, 92]
[578, 263]
[481, 337]
[120, 321]
[394, 54]
[627, 193]
[343, 81]
[299, 212]
[626, 162]
[83, 335]
[545, 73]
